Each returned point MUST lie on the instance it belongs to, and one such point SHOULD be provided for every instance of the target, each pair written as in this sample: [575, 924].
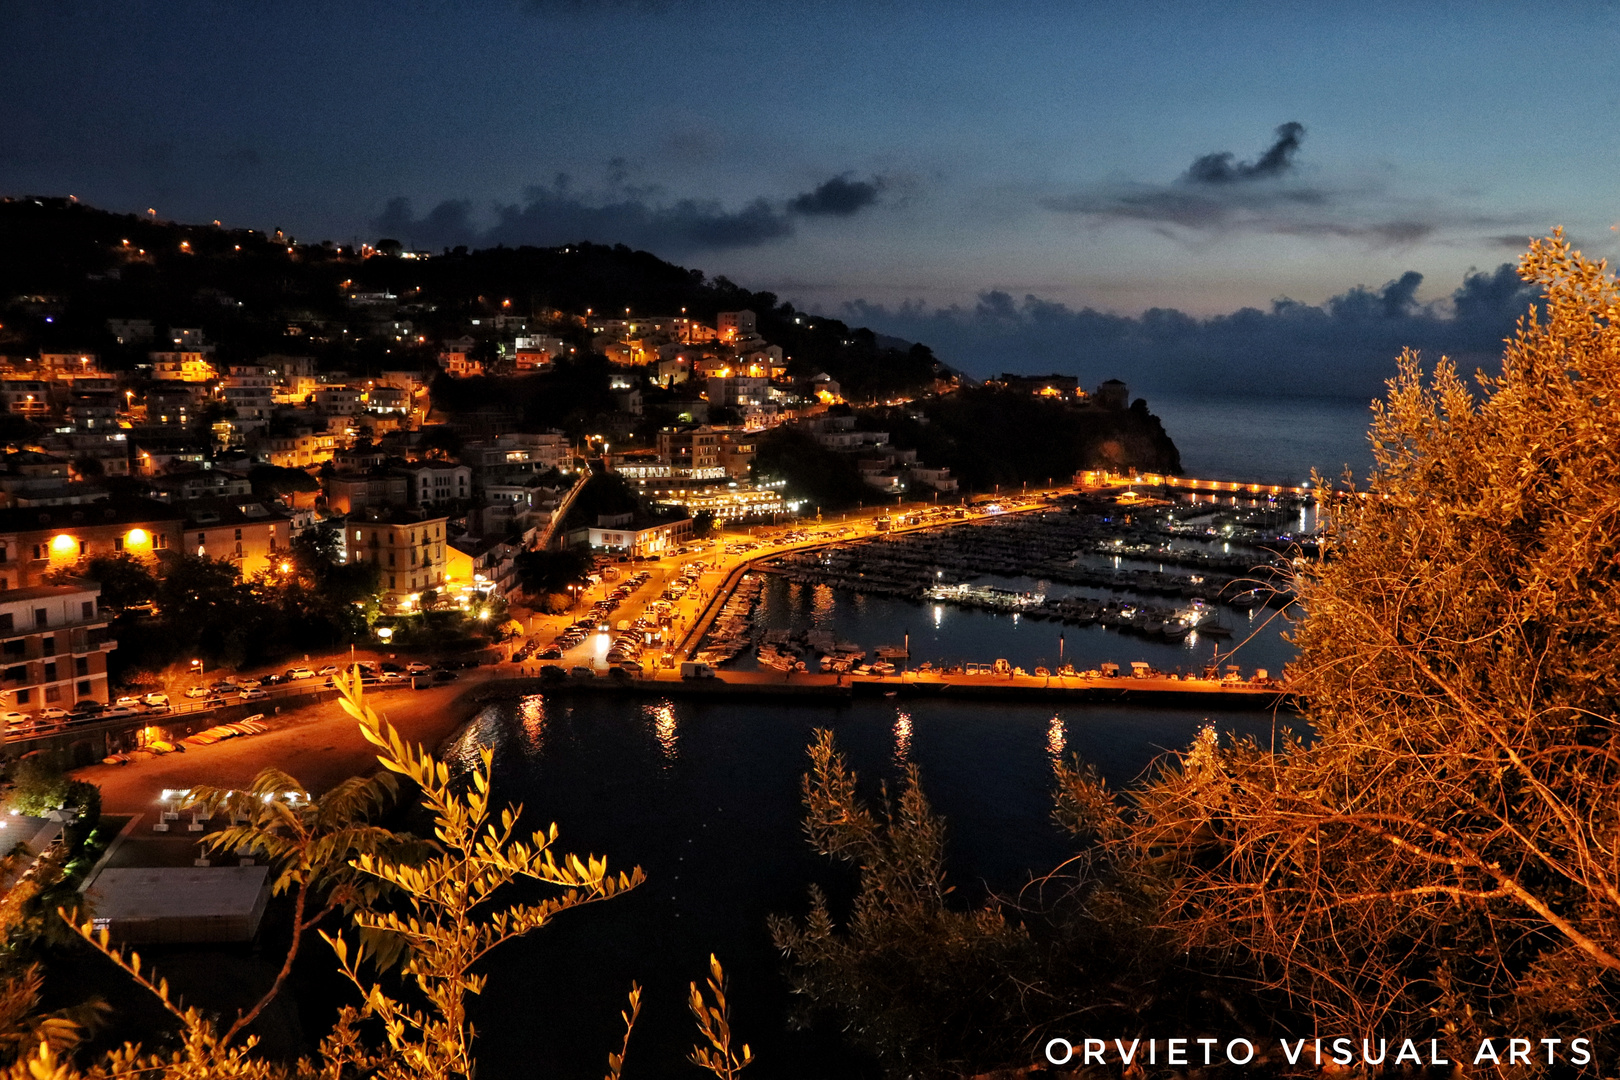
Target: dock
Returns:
[1162, 691]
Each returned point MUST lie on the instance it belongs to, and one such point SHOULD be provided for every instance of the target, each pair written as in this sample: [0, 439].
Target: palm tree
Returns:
[310, 841]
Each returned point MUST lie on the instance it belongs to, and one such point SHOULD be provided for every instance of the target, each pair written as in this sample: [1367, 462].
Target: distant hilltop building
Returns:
[1042, 385]
[1112, 394]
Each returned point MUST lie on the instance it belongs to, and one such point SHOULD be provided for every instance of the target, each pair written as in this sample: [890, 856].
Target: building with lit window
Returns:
[35, 541]
[53, 646]
[625, 533]
[408, 550]
[245, 533]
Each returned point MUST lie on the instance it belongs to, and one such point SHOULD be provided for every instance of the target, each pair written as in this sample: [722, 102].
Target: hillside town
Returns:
[431, 441]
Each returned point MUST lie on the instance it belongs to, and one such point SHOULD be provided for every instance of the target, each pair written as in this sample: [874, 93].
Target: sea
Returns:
[705, 796]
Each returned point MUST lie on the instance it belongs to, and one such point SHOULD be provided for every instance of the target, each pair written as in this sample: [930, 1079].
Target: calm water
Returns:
[705, 797]
[1275, 441]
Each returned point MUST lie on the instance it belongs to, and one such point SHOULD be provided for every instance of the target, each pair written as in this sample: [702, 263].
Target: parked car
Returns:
[116, 712]
[387, 666]
[128, 702]
[248, 684]
[444, 676]
[86, 709]
[391, 676]
[198, 691]
[253, 693]
[300, 673]
[416, 667]
[275, 680]
[329, 670]
[157, 701]
[52, 713]
[16, 719]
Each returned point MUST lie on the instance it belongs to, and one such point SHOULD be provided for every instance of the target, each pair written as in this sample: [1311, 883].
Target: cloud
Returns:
[838, 197]
[1219, 195]
[1279, 158]
[639, 217]
[1345, 347]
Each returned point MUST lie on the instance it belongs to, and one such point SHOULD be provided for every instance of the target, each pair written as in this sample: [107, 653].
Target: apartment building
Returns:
[431, 482]
[249, 535]
[408, 550]
[53, 646]
[35, 541]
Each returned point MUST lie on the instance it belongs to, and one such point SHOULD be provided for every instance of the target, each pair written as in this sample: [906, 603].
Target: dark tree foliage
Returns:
[270, 481]
[820, 477]
[125, 580]
[989, 436]
[546, 573]
[604, 494]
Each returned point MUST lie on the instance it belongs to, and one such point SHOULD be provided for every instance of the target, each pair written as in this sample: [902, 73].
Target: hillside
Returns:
[66, 268]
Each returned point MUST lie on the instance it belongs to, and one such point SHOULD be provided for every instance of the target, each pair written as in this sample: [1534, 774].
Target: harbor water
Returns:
[705, 796]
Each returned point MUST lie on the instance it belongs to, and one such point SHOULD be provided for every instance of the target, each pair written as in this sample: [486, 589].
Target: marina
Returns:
[1178, 577]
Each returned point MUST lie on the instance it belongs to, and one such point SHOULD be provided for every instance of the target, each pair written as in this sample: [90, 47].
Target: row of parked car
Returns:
[52, 717]
[596, 619]
[683, 584]
[228, 690]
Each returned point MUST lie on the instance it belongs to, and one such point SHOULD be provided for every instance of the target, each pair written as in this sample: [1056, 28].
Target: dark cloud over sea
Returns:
[1345, 347]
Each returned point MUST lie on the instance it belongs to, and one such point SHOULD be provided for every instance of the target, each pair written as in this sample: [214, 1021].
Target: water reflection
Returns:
[821, 605]
[664, 730]
[902, 738]
[531, 723]
[1056, 741]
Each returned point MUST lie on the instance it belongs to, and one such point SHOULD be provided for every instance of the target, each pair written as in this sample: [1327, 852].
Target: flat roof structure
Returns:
[180, 905]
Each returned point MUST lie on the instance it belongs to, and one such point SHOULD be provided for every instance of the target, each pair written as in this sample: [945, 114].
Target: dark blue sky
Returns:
[1106, 156]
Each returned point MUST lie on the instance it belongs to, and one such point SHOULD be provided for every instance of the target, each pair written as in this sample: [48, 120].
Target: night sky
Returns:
[1033, 170]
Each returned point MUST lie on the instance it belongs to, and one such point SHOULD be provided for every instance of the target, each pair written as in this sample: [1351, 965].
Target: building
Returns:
[385, 400]
[53, 646]
[739, 391]
[338, 401]
[543, 450]
[1112, 394]
[407, 548]
[726, 502]
[428, 483]
[26, 397]
[180, 905]
[295, 449]
[183, 365]
[736, 325]
[200, 484]
[692, 452]
[247, 534]
[534, 352]
[358, 492]
[131, 331]
[939, 479]
[249, 389]
[34, 542]
[1041, 385]
[641, 538]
